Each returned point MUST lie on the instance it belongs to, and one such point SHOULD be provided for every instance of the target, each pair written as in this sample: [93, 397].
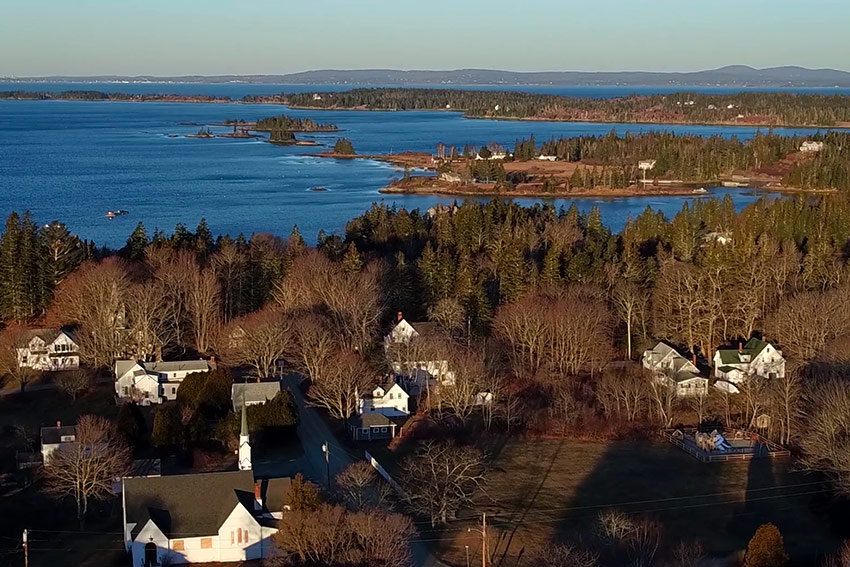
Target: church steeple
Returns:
[244, 441]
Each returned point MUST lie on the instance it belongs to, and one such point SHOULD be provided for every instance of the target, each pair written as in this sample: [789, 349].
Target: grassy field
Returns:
[540, 491]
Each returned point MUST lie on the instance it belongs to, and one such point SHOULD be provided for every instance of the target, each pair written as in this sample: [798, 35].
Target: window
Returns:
[364, 431]
[177, 545]
[126, 390]
[232, 537]
[245, 531]
[239, 535]
[173, 390]
[383, 430]
[206, 543]
[391, 396]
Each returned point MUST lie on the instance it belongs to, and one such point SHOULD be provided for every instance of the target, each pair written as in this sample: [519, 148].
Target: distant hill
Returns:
[733, 75]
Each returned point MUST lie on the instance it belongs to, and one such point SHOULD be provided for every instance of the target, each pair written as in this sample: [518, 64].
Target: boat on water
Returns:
[700, 191]
[116, 213]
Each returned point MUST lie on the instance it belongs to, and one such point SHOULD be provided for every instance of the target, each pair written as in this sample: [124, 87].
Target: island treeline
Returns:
[701, 159]
[776, 109]
[104, 96]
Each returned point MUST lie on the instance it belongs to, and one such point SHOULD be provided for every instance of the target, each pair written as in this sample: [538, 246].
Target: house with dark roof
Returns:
[153, 382]
[199, 518]
[54, 438]
[371, 427]
[49, 350]
[755, 359]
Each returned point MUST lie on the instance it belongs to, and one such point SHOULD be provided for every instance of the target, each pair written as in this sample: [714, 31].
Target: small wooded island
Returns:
[655, 163]
[281, 129]
[740, 109]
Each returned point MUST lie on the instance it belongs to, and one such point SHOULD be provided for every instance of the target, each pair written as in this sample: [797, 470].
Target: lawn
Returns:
[545, 490]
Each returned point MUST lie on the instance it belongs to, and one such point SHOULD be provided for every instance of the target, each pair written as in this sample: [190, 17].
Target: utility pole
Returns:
[26, 550]
[326, 449]
[484, 539]
[483, 532]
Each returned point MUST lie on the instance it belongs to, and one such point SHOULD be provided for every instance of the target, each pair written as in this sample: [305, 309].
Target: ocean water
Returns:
[73, 161]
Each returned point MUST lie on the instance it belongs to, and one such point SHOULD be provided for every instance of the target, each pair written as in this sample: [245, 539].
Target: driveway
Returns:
[313, 432]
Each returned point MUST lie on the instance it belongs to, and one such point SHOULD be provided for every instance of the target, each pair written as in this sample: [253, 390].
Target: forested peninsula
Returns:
[771, 109]
[654, 163]
[744, 109]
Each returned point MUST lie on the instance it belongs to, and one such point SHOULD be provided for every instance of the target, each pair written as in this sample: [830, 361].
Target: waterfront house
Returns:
[153, 382]
[755, 359]
[669, 366]
[811, 147]
[544, 157]
[49, 350]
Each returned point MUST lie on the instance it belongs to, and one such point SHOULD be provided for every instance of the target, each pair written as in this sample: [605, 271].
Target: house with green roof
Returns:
[755, 359]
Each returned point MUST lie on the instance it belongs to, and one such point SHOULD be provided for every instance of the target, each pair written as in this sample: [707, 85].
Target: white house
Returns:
[809, 146]
[757, 358]
[389, 399]
[54, 438]
[544, 157]
[49, 350]
[153, 382]
[201, 518]
[253, 393]
[667, 364]
[407, 360]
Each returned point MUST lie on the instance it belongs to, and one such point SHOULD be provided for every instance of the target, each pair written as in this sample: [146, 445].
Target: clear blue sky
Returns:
[170, 37]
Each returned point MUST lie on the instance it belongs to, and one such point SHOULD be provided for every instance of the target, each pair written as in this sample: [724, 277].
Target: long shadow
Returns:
[499, 552]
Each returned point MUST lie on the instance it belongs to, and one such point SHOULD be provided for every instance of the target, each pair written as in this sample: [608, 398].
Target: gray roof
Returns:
[53, 435]
[196, 505]
[122, 366]
[177, 366]
[370, 420]
[253, 392]
[425, 328]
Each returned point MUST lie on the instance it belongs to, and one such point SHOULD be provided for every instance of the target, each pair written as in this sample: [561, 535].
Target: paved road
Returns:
[313, 432]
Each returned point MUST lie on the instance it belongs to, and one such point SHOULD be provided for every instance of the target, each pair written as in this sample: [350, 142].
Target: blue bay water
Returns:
[73, 161]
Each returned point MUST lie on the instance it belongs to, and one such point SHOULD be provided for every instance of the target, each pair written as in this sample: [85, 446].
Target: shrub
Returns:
[766, 548]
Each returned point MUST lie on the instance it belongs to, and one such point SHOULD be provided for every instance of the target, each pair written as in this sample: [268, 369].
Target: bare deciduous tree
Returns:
[75, 382]
[258, 340]
[630, 303]
[825, 446]
[361, 487]
[440, 479]
[562, 555]
[804, 323]
[94, 297]
[85, 470]
[341, 377]
[12, 338]
[623, 392]
[569, 331]
[148, 320]
[353, 302]
[203, 302]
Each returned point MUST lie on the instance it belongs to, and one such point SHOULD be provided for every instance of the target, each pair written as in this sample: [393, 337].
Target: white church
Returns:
[202, 518]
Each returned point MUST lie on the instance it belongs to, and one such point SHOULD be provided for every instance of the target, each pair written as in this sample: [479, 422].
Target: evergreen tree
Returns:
[203, 239]
[351, 262]
[137, 243]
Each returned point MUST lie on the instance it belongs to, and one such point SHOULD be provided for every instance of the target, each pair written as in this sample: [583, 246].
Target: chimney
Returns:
[694, 360]
[740, 346]
[400, 317]
[258, 499]
[213, 363]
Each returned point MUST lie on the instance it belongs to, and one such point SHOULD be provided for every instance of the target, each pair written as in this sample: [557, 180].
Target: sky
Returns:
[207, 37]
